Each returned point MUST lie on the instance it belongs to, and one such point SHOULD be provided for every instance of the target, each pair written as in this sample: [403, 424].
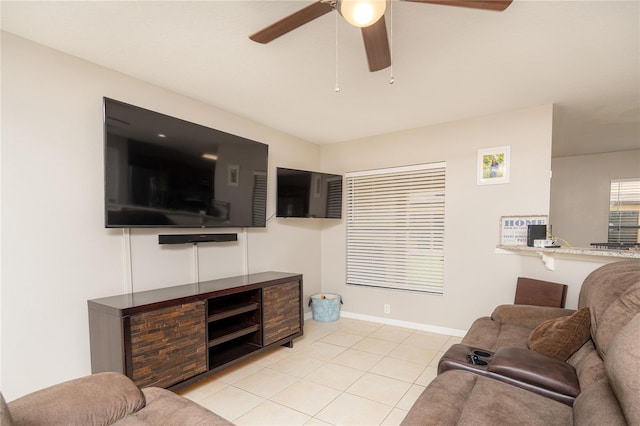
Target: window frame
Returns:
[395, 227]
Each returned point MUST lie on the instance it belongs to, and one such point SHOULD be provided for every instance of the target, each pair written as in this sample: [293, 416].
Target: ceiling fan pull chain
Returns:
[391, 41]
[337, 87]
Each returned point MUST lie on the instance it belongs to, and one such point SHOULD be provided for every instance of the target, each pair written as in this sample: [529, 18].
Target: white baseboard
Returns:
[399, 323]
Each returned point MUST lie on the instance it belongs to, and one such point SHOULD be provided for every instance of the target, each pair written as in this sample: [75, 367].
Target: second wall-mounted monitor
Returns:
[302, 193]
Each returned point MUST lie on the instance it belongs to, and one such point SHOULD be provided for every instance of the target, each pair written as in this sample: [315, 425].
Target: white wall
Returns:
[476, 279]
[56, 253]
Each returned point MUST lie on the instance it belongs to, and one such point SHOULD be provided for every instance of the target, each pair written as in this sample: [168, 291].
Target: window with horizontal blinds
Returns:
[624, 211]
[395, 227]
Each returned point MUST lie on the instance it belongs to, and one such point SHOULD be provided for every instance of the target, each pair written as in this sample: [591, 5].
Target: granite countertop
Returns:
[578, 251]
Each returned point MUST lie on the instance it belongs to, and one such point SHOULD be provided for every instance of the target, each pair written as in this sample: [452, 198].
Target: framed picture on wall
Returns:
[233, 175]
[493, 165]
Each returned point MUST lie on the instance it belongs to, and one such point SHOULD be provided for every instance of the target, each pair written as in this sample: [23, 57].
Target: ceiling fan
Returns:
[366, 14]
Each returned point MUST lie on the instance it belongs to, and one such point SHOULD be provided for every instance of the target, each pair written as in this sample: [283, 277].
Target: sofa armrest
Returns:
[536, 369]
[101, 398]
[527, 315]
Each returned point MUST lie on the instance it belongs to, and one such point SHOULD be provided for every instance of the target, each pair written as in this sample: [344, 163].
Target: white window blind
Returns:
[624, 212]
[395, 227]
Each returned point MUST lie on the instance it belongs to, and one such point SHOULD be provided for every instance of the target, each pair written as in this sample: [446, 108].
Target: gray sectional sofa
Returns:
[598, 384]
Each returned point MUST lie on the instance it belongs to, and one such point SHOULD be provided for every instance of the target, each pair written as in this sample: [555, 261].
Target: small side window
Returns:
[624, 213]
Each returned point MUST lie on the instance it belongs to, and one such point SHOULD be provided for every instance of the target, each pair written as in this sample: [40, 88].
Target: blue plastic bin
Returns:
[325, 307]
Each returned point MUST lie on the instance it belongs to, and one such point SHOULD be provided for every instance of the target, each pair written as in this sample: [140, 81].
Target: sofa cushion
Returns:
[560, 337]
[166, 408]
[619, 313]
[597, 406]
[600, 289]
[488, 334]
[98, 399]
[588, 364]
[528, 316]
[463, 398]
[623, 369]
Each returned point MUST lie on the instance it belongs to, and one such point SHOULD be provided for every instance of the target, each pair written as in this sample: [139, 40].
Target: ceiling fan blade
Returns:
[291, 22]
[376, 43]
[498, 5]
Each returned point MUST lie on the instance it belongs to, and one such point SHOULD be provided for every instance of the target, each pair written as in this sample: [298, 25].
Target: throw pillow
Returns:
[560, 337]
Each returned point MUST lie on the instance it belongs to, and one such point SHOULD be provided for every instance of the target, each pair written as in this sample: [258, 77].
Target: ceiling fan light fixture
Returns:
[361, 13]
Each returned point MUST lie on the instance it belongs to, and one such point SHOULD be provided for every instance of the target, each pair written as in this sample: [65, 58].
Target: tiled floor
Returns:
[347, 372]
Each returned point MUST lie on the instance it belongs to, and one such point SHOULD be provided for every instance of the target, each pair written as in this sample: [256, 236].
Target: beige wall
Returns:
[580, 193]
[56, 253]
[476, 279]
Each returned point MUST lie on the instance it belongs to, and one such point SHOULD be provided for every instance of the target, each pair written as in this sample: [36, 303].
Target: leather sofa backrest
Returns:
[612, 293]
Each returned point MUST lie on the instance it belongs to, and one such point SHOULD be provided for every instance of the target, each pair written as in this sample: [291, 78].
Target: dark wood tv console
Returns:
[175, 336]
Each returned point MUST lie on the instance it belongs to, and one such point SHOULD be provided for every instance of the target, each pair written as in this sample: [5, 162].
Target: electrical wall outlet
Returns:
[387, 308]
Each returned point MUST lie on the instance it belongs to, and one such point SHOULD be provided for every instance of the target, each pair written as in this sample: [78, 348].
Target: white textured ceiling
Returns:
[449, 63]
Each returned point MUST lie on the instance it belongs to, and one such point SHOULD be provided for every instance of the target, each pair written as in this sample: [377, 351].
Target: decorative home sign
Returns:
[513, 229]
[493, 165]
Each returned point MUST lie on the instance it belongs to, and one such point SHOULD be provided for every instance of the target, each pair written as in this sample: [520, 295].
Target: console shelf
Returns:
[175, 336]
[238, 330]
[232, 311]
[225, 354]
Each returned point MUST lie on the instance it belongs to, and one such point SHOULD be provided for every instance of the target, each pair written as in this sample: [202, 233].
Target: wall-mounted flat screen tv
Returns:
[165, 172]
[302, 193]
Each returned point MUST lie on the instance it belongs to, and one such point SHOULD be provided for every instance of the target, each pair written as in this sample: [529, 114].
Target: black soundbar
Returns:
[195, 238]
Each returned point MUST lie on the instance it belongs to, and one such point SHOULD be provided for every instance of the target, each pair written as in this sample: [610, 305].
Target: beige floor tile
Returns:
[305, 396]
[335, 376]
[407, 371]
[395, 417]
[360, 328]
[308, 338]
[322, 351]
[391, 333]
[375, 346]
[269, 357]
[381, 389]
[426, 340]
[341, 338]
[436, 360]
[231, 402]
[265, 382]
[357, 359]
[453, 340]
[348, 409]
[317, 422]
[410, 397]
[270, 413]
[427, 376]
[233, 374]
[345, 372]
[297, 365]
[317, 328]
[202, 389]
[413, 354]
